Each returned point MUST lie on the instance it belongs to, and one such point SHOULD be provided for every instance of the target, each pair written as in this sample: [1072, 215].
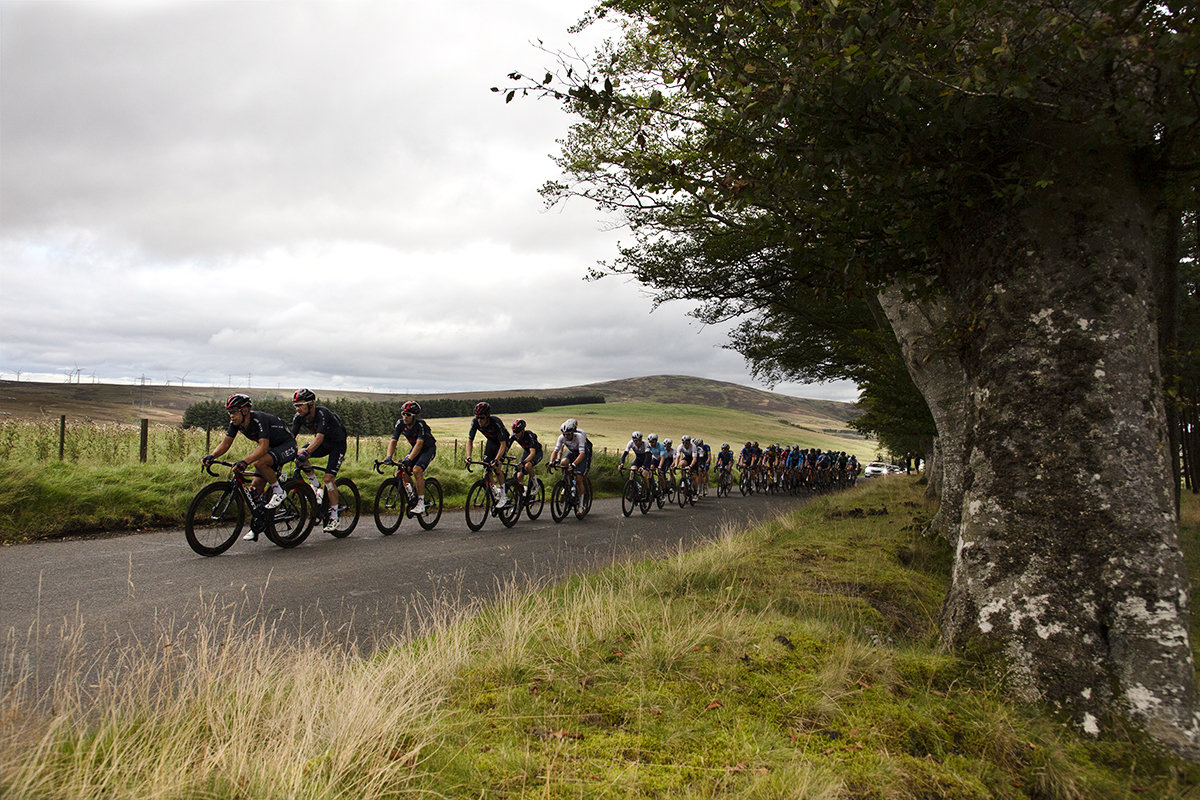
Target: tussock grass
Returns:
[797, 659]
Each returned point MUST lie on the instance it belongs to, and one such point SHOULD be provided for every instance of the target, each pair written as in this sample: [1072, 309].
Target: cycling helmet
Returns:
[569, 427]
[684, 439]
[747, 444]
[411, 407]
[304, 396]
[699, 442]
[483, 409]
[652, 438]
[725, 446]
[636, 436]
[667, 442]
[519, 426]
[237, 401]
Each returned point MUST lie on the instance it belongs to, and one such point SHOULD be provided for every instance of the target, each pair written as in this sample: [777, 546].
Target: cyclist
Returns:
[687, 458]
[422, 447]
[496, 437]
[666, 463]
[654, 459]
[641, 458]
[725, 460]
[574, 447]
[275, 447]
[745, 458]
[703, 458]
[532, 448]
[329, 440]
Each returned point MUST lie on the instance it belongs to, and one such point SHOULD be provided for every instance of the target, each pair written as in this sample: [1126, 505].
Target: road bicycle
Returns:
[572, 492]
[636, 494]
[724, 481]
[746, 481]
[481, 499]
[348, 502]
[530, 499]
[397, 495]
[666, 486]
[687, 488]
[219, 510]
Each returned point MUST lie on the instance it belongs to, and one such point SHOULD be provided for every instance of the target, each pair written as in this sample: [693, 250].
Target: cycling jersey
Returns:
[576, 442]
[261, 425]
[323, 421]
[704, 452]
[418, 430]
[668, 458]
[725, 458]
[528, 441]
[494, 431]
[687, 452]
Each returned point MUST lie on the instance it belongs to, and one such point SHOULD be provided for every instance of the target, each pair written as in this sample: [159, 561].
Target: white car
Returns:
[876, 468]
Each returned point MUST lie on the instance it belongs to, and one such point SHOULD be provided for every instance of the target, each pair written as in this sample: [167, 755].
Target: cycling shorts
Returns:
[336, 453]
[424, 457]
[532, 459]
[283, 454]
[640, 460]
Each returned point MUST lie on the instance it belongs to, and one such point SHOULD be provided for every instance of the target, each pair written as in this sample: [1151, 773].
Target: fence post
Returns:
[356, 439]
[62, 435]
[145, 440]
[208, 440]
[455, 451]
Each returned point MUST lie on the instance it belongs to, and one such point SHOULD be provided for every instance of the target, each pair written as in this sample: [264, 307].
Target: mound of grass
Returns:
[797, 659]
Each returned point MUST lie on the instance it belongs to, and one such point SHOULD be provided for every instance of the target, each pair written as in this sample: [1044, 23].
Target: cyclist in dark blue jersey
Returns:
[532, 448]
[329, 440]
[496, 445]
[422, 447]
[275, 446]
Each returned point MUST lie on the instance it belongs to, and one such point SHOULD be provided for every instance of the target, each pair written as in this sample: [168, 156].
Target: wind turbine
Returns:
[184, 375]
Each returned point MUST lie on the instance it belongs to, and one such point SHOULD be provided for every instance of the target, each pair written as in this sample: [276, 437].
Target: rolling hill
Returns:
[102, 402]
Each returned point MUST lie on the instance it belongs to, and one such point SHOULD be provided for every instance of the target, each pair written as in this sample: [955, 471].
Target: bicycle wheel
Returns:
[390, 505]
[534, 501]
[584, 503]
[215, 518]
[629, 498]
[511, 512]
[645, 497]
[681, 494]
[479, 504]
[669, 489]
[657, 489]
[558, 502]
[433, 504]
[347, 505]
[290, 523]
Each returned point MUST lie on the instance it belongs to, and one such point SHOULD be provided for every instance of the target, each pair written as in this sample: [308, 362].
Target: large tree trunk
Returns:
[938, 375]
[1068, 569]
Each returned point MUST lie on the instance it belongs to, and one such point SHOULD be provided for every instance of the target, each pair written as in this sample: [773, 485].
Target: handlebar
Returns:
[208, 467]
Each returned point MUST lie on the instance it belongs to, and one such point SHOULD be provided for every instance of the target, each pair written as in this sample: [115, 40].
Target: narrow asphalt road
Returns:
[365, 588]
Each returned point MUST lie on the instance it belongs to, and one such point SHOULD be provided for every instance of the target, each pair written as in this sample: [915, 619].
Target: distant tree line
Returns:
[376, 418]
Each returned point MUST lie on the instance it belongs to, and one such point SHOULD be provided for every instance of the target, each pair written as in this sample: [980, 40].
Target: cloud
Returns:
[314, 193]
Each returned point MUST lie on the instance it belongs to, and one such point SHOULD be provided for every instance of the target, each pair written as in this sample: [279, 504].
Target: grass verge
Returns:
[795, 660]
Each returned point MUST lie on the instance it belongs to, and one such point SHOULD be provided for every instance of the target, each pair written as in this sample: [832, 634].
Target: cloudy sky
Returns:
[324, 193]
